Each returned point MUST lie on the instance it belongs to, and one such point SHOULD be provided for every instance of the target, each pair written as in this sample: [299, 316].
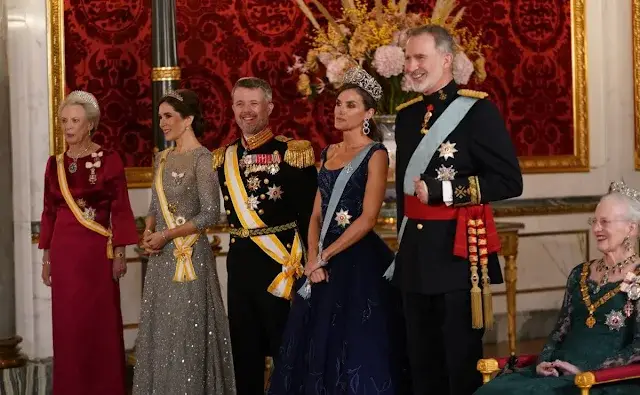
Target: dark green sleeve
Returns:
[563, 324]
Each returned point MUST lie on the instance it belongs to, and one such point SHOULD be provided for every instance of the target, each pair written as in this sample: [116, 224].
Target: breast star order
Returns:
[343, 218]
[89, 214]
[275, 192]
[253, 202]
[446, 173]
[615, 320]
[447, 150]
[253, 183]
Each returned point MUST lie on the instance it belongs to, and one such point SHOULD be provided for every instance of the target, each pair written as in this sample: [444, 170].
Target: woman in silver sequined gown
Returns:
[183, 343]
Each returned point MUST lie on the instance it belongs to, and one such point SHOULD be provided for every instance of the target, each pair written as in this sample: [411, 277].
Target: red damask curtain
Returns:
[107, 52]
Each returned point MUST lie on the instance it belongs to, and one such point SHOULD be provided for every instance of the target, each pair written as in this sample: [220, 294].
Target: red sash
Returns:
[414, 209]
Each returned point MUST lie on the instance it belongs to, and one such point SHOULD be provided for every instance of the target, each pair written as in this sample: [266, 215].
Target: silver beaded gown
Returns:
[183, 342]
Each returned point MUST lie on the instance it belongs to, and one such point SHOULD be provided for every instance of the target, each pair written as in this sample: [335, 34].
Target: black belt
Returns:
[244, 232]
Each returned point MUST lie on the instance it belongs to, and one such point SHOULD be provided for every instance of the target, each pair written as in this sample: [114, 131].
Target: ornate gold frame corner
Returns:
[636, 80]
[579, 161]
[137, 177]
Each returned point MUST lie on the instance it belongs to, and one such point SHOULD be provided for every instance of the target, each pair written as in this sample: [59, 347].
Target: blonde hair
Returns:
[88, 103]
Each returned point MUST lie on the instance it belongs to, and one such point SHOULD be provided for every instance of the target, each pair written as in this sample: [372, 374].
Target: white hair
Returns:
[632, 206]
[88, 103]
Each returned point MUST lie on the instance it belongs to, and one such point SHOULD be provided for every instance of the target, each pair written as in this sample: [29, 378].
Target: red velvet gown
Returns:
[88, 345]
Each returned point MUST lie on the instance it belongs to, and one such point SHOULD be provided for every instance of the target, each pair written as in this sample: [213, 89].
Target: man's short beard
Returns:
[251, 130]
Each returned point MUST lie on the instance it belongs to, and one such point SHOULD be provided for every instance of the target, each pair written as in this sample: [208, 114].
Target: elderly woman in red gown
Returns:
[86, 224]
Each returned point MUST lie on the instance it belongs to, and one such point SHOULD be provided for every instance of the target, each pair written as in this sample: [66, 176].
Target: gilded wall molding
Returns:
[579, 161]
[636, 79]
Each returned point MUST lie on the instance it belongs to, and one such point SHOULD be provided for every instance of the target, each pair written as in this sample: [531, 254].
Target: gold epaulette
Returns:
[472, 93]
[218, 157]
[299, 154]
[282, 138]
[408, 103]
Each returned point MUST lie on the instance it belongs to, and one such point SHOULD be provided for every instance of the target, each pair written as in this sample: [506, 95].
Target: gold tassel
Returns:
[218, 157]
[110, 248]
[487, 298]
[476, 299]
[299, 154]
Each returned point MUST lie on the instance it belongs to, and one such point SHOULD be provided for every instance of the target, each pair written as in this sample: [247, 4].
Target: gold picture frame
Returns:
[635, 12]
[579, 160]
[141, 177]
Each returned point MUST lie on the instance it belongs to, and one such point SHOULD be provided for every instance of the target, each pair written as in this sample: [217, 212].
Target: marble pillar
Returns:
[10, 355]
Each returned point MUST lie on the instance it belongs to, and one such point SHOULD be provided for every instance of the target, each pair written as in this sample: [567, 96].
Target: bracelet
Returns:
[46, 263]
[163, 235]
[321, 261]
[148, 231]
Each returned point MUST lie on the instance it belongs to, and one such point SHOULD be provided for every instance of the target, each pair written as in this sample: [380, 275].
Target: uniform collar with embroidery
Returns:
[258, 139]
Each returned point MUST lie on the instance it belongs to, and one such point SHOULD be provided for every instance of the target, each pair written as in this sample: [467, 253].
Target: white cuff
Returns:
[447, 193]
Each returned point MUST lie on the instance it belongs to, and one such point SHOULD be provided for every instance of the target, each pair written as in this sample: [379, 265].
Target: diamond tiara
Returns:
[621, 188]
[85, 97]
[174, 94]
[357, 76]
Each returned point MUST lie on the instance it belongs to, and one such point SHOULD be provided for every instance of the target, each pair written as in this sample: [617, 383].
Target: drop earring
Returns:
[626, 243]
[365, 127]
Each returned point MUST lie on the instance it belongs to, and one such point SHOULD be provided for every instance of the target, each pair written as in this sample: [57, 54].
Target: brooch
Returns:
[631, 286]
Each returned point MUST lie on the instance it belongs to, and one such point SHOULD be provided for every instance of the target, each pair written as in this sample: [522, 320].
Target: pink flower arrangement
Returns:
[388, 60]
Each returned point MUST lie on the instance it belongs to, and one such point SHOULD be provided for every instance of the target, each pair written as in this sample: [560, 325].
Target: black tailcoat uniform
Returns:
[479, 161]
[256, 317]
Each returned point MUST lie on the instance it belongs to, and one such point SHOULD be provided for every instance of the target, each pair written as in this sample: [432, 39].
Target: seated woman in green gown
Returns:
[599, 322]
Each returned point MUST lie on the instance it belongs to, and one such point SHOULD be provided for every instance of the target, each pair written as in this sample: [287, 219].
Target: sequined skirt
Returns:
[183, 344]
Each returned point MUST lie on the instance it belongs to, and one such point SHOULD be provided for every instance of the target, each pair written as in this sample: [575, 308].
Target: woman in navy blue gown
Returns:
[345, 335]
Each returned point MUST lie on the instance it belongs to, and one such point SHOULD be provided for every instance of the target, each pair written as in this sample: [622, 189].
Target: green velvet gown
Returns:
[603, 345]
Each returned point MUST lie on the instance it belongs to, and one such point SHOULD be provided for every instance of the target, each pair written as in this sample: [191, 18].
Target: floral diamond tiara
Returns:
[621, 188]
[85, 97]
[357, 76]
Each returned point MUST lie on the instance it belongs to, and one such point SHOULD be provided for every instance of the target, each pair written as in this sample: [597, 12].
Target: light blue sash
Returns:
[336, 195]
[441, 129]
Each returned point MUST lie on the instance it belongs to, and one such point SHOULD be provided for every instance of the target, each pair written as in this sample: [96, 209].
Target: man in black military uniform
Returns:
[448, 242]
[269, 185]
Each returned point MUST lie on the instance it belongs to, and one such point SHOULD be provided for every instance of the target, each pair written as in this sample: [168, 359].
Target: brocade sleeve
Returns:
[208, 193]
[563, 324]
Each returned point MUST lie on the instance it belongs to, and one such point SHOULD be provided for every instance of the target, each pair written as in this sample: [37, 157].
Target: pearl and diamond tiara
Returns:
[357, 76]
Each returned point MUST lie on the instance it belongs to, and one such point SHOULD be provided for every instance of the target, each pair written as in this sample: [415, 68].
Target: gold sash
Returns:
[73, 206]
[282, 285]
[183, 245]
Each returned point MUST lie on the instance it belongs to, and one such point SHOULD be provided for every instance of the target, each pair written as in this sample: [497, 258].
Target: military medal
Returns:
[253, 183]
[447, 150]
[590, 320]
[445, 173]
[252, 202]
[275, 192]
[89, 214]
[427, 117]
[628, 309]
[615, 320]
